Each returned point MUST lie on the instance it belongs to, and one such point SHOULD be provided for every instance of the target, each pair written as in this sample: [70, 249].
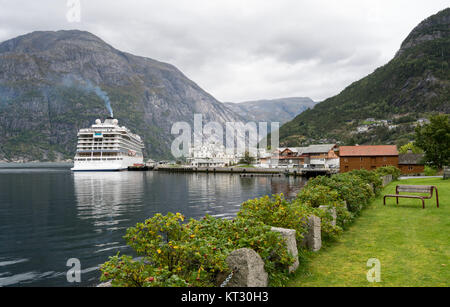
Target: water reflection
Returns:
[105, 197]
[50, 215]
[289, 186]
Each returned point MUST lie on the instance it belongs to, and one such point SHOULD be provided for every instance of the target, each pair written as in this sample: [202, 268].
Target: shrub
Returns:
[240, 233]
[314, 195]
[328, 230]
[430, 171]
[278, 212]
[389, 170]
[350, 188]
[174, 253]
[369, 178]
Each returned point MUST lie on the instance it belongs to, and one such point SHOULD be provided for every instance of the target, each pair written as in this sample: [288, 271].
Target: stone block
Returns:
[332, 211]
[248, 269]
[291, 244]
[313, 237]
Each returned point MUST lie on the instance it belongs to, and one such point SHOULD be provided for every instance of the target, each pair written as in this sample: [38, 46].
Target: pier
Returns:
[250, 171]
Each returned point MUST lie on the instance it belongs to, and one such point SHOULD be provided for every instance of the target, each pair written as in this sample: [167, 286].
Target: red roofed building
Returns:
[367, 157]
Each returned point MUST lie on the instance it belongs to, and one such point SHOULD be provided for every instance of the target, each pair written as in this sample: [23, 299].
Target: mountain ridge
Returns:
[41, 113]
[414, 84]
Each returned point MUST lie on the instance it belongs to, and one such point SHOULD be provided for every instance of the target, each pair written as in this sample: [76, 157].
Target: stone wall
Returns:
[247, 267]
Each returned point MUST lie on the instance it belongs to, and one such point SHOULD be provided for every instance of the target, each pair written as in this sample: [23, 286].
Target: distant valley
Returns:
[275, 110]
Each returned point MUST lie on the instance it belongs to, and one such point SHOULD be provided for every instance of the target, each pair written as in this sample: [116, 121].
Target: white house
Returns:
[210, 155]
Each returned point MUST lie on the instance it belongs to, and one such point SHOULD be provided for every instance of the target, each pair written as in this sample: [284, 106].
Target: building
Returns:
[367, 157]
[210, 155]
[264, 158]
[321, 156]
[313, 156]
[362, 129]
[290, 157]
[411, 164]
[151, 163]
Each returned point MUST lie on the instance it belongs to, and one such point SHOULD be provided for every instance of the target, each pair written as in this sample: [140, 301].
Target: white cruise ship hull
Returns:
[106, 165]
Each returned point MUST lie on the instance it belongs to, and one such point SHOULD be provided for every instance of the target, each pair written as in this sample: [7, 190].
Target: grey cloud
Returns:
[242, 50]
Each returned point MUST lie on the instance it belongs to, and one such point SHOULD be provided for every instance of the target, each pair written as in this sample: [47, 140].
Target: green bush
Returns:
[314, 195]
[430, 171]
[350, 188]
[174, 253]
[389, 170]
[328, 230]
[370, 178]
[276, 211]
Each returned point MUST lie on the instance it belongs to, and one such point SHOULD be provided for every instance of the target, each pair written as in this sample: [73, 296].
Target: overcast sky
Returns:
[240, 50]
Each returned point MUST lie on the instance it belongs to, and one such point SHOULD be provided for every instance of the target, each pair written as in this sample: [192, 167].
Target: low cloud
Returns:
[246, 49]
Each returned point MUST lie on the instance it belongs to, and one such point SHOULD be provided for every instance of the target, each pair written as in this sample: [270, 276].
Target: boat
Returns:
[106, 146]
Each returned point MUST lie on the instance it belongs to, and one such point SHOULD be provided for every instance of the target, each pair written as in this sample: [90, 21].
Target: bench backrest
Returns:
[415, 188]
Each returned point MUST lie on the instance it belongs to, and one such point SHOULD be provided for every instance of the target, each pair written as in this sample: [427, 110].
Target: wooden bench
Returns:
[414, 189]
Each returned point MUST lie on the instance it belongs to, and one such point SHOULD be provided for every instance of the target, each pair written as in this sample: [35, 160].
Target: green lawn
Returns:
[412, 244]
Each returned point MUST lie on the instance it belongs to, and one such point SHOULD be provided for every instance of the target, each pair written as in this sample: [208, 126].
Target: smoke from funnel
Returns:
[88, 87]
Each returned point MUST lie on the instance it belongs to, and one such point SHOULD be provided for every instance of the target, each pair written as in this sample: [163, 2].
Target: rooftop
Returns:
[322, 148]
[410, 158]
[368, 150]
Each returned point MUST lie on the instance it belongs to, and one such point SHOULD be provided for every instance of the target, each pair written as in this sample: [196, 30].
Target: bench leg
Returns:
[437, 197]
[397, 200]
[384, 200]
[423, 203]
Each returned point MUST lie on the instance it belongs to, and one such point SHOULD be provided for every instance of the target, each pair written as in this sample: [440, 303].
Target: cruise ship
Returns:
[107, 147]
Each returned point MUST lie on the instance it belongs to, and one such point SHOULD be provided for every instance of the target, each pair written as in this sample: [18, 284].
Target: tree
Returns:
[247, 159]
[434, 139]
[410, 146]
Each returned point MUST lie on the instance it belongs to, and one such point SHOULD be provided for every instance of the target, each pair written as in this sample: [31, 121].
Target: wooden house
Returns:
[367, 157]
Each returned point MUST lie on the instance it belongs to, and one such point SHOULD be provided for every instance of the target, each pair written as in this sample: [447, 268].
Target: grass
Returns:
[412, 244]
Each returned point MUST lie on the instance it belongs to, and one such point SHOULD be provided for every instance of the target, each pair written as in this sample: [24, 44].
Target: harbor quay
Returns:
[249, 171]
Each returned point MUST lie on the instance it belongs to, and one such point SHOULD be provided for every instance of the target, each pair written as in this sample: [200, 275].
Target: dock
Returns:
[250, 171]
[140, 168]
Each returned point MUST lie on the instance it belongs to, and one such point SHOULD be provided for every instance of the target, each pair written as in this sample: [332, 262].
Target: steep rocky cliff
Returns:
[51, 85]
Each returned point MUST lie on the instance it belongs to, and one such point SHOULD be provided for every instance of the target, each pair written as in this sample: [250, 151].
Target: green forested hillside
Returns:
[413, 85]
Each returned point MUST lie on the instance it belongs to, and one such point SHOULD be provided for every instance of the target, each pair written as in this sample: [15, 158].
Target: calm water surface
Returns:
[49, 214]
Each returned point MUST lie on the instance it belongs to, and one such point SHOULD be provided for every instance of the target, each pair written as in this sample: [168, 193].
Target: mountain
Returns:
[54, 83]
[276, 110]
[414, 84]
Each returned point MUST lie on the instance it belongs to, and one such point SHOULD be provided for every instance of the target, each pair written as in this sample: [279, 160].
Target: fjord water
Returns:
[49, 214]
